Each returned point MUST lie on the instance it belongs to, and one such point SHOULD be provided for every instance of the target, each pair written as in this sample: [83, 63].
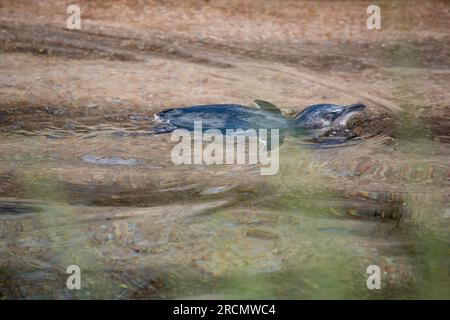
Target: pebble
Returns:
[214, 190]
[55, 110]
[3, 117]
[261, 234]
[138, 117]
[447, 213]
[111, 161]
[69, 126]
[92, 105]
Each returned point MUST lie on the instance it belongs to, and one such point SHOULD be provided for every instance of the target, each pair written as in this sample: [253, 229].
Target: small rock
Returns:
[390, 269]
[92, 105]
[55, 110]
[138, 117]
[140, 45]
[447, 213]
[261, 234]
[3, 117]
[173, 236]
[214, 190]
[111, 161]
[69, 127]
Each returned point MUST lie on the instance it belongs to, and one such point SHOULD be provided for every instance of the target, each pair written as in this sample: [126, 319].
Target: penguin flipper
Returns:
[267, 106]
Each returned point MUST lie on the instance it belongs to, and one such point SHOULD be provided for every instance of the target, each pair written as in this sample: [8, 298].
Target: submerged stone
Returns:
[214, 190]
[109, 161]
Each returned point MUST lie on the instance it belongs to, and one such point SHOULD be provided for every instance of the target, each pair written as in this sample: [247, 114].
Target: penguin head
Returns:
[325, 115]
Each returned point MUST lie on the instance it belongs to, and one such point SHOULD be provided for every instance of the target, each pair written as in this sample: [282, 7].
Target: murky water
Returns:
[83, 181]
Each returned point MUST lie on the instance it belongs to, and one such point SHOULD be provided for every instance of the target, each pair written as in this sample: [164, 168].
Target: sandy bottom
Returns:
[147, 228]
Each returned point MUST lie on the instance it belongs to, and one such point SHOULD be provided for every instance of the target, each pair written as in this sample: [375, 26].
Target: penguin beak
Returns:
[348, 113]
[355, 107]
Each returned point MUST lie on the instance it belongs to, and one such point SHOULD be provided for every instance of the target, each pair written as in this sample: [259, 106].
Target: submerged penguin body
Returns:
[315, 118]
[222, 117]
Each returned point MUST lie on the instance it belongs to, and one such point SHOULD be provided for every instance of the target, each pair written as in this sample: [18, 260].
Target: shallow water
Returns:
[141, 227]
[84, 181]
